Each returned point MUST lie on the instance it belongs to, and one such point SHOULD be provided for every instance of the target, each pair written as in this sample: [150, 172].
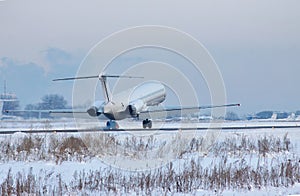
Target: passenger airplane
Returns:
[130, 103]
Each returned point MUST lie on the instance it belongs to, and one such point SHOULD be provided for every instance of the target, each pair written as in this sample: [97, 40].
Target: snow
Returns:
[128, 156]
[66, 169]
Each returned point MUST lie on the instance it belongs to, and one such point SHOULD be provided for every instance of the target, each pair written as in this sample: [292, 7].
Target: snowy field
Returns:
[263, 161]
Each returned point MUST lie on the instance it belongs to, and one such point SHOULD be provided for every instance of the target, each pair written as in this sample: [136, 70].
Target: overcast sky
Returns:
[255, 43]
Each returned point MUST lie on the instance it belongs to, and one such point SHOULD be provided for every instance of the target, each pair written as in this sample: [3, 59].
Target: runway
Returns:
[164, 129]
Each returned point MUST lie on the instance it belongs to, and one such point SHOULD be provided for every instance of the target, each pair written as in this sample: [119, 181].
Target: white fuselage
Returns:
[131, 102]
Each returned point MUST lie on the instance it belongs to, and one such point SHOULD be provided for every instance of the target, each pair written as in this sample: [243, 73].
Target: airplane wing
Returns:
[177, 108]
[14, 111]
[60, 111]
[67, 111]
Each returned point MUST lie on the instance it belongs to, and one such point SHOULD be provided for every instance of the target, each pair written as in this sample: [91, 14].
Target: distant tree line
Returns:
[48, 102]
[231, 116]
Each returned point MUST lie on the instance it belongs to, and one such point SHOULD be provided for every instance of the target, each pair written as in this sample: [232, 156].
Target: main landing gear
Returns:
[112, 124]
[147, 123]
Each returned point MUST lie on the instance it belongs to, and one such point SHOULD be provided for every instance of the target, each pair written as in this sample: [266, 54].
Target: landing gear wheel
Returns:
[112, 124]
[147, 123]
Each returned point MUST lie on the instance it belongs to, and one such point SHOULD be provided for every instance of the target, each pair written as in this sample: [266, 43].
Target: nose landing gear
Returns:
[147, 123]
[112, 124]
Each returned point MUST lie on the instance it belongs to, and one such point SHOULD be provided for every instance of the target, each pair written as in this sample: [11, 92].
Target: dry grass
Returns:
[236, 163]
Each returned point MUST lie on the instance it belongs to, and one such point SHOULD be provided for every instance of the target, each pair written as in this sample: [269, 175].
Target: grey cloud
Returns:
[245, 37]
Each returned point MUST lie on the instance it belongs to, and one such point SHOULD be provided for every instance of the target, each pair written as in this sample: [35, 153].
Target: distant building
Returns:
[271, 115]
[9, 101]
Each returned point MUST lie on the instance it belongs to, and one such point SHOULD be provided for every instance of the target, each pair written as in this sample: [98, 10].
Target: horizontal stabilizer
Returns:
[120, 76]
[100, 76]
[76, 78]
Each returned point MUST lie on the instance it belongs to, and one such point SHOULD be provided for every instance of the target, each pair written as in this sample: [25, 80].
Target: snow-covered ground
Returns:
[228, 162]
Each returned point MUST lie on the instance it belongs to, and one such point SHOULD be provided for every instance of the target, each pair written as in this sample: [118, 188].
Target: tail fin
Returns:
[102, 78]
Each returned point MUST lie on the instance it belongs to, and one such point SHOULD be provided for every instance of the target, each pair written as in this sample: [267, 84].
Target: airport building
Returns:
[8, 101]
